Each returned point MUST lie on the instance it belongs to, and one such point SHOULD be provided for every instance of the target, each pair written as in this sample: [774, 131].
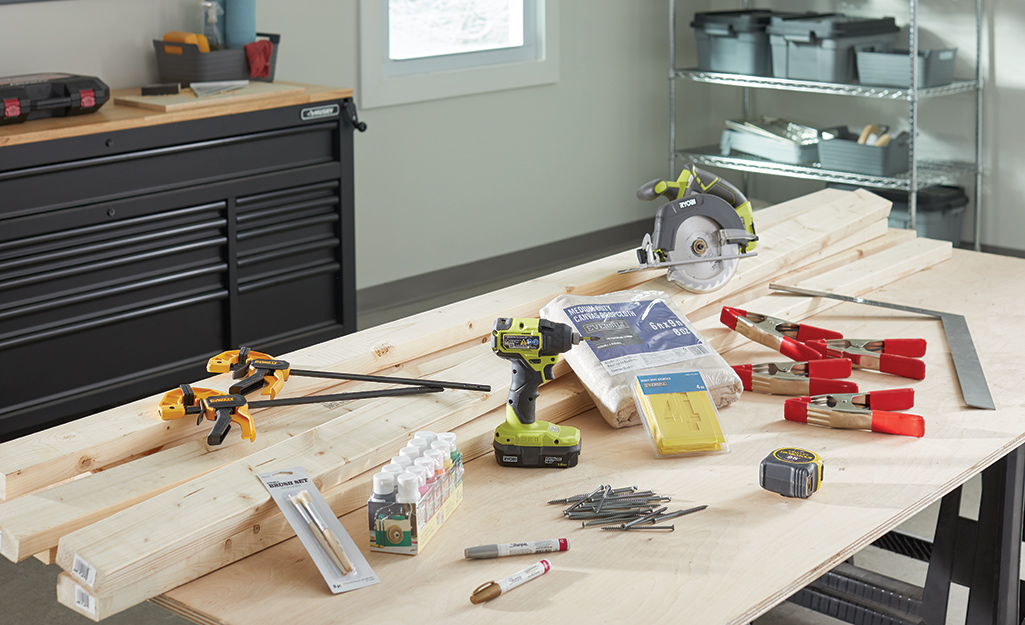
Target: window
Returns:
[415, 50]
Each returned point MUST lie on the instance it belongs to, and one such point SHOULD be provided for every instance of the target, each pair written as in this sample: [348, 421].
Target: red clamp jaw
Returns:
[814, 377]
[894, 356]
[854, 411]
[779, 334]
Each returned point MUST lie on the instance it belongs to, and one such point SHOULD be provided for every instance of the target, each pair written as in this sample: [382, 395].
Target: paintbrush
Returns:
[327, 539]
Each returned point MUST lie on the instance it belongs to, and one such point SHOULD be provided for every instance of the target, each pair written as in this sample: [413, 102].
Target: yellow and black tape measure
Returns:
[791, 472]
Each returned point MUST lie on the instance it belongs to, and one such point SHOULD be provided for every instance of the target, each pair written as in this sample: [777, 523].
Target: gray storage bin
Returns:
[772, 149]
[195, 66]
[733, 42]
[892, 68]
[845, 154]
[821, 47]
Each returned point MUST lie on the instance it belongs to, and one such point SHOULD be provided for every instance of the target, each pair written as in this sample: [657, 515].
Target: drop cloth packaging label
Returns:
[636, 335]
[289, 483]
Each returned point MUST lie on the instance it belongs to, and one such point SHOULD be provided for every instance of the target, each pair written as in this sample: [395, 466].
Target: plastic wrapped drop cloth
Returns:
[639, 333]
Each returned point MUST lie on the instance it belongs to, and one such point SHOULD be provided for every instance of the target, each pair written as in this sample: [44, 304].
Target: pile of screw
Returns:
[622, 509]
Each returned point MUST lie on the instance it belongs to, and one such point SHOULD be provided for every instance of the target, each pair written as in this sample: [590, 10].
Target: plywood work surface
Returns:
[728, 564]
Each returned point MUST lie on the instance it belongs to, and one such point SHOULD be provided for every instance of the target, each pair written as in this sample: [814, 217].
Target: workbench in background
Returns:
[134, 243]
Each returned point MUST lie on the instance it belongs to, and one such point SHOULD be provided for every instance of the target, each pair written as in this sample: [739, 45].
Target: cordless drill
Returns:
[533, 346]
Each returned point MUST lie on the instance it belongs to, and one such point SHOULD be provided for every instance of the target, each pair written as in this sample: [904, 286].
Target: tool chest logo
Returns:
[320, 112]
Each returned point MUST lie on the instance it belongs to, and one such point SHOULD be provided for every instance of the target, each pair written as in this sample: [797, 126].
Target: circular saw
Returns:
[700, 234]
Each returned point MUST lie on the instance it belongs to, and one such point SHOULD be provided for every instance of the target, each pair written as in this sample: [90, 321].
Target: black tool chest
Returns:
[128, 258]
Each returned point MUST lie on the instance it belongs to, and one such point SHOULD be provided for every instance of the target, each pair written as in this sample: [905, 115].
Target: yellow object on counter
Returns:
[177, 36]
[678, 414]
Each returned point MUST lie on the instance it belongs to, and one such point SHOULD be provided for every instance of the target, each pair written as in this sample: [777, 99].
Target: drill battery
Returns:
[37, 96]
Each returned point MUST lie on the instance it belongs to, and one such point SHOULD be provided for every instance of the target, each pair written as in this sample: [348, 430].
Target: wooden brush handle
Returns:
[343, 561]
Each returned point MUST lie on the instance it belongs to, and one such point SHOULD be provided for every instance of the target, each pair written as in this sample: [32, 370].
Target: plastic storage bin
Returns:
[844, 153]
[195, 66]
[892, 68]
[939, 210]
[821, 47]
[734, 42]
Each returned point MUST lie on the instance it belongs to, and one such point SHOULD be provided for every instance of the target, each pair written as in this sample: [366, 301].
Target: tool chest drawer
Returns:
[74, 182]
[121, 275]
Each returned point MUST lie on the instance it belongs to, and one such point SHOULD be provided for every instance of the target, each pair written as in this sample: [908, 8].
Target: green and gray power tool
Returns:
[701, 233]
[533, 346]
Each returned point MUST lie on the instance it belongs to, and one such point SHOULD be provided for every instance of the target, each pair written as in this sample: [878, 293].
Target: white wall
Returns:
[448, 182]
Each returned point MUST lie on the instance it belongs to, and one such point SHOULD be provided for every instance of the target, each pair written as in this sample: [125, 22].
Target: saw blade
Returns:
[698, 237]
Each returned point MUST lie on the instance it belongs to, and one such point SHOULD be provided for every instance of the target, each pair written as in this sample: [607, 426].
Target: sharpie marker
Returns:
[490, 590]
[516, 549]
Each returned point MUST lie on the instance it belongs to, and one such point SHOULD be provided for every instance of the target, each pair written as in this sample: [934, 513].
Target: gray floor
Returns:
[28, 596]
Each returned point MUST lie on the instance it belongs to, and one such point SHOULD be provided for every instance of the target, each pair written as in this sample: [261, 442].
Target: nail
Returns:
[648, 517]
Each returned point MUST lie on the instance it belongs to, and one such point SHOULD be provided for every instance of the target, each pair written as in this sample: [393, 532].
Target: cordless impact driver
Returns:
[533, 346]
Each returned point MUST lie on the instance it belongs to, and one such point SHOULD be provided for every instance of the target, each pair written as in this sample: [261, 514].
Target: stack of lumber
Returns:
[130, 506]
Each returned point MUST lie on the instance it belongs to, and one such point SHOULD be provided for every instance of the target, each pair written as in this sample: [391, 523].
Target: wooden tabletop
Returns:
[113, 116]
[728, 564]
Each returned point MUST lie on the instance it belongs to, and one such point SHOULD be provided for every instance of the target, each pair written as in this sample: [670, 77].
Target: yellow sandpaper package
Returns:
[678, 414]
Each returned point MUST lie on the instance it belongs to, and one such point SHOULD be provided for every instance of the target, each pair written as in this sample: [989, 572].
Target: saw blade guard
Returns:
[688, 230]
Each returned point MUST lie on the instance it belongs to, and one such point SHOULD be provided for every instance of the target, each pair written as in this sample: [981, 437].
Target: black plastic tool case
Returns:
[36, 96]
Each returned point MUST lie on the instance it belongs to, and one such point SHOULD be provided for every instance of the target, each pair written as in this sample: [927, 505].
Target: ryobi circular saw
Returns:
[701, 233]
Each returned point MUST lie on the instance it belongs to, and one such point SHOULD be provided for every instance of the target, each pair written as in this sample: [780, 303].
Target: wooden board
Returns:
[746, 553]
[266, 92]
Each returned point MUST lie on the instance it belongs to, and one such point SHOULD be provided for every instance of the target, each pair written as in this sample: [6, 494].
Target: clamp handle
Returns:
[223, 410]
[899, 423]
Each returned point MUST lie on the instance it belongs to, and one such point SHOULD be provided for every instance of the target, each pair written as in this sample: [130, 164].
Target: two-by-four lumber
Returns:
[789, 232]
[35, 522]
[133, 540]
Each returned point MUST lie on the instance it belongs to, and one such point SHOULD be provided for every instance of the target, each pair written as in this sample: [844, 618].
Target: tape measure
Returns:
[791, 472]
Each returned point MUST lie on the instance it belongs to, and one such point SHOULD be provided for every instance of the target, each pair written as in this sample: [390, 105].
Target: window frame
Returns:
[384, 82]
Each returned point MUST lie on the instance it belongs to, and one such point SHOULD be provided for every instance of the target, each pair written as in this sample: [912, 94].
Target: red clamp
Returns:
[781, 335]
[865, 411]
[895, 356]
[814, 377]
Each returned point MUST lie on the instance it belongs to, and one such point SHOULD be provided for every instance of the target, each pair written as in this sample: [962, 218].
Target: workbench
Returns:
[747, 552]
[170, 520]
